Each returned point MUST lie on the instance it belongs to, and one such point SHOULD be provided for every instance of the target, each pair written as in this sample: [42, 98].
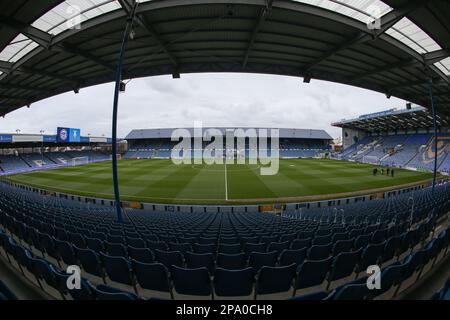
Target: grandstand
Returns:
[21, 153]
[312, 231]
[396, 138]
[294, 143]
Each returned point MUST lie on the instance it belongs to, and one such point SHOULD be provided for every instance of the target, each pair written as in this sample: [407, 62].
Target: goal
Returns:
[79, 161]
[371, 159]
[118, 156]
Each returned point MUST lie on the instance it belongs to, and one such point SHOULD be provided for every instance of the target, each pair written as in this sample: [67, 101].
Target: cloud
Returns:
[215, 99]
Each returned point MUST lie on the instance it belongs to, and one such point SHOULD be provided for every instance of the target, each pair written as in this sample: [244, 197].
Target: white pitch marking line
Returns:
[226, 181]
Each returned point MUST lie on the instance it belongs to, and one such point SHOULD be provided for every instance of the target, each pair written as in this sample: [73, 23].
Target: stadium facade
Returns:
[293, 143]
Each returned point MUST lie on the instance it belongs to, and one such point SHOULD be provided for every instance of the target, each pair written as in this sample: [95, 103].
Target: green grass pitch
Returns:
[162, 181]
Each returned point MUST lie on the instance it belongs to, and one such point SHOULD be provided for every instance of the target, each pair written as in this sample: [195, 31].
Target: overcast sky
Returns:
[215, 99]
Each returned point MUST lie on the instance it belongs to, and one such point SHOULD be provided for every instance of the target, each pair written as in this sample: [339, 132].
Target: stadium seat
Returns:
[66, 252]
[195, 282]
[6, 293]
[104, 292]
[362, 241]
[204, 248]
[118, 269]
[143, 255]
[152, 276]
[352, 292]
[371, 255]
[231, 261]
[344, 264]
[391, 248]
[342, 246]
[156, 245]
[258, 260]
[290, 256]
[229, 248]
[321, 240]
[312, 273]
[233, 283]
[199, 260]
[90, 262]
[278, 246]
[169, 258]
[254, 247]
[181, 247]
[319, 252]
[95, 244]
[136, 242]
[320, 295]
[271, 280]
[301, 243]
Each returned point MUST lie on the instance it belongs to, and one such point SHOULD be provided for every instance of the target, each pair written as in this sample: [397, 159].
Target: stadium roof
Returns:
[393, 119]
[44, 52]
[283, 133]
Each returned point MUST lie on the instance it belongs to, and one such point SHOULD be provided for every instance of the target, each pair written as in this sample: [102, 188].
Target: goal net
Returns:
[79, 161]
[371, 159]
[118, 156]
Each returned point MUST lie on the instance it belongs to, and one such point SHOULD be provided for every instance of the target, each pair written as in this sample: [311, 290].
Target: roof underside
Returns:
[397, 120]
[283, 133]
[41, 55]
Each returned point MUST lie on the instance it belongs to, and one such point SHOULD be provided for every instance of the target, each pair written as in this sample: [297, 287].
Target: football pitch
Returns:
[162, 181]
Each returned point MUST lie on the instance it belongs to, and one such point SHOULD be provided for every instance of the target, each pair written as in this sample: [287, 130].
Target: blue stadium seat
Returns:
[296, 256]
[319, 252]
[118, 269]
[233, 283]
[152, 276]
[312, 273]
[231, 261]
[195, 282]
[198, 260]
[169, 258]
[229, 248]
[271, 280]
[143, 255]
[90, 262]
[258, 260]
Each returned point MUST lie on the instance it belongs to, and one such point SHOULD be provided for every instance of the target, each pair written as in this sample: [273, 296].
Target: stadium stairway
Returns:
[50, 159]
[26, 162]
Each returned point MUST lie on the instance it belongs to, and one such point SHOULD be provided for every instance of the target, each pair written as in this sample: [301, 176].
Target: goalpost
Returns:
[78, 161]
[371, 160]
[118, 156]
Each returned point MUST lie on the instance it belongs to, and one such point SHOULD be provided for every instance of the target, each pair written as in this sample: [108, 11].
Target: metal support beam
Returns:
[84, 54]
[8, 86]
[44, 39]
[127, 6]
[43, 73]
[386, 68]
[40, 37]
[13, 97]
[386, 22]
[436, 56]
[125, 37]
[5, 66]
[263, 14]
[433, 110]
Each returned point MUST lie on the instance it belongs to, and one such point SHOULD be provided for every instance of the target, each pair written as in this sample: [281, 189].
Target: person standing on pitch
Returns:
[392, 173]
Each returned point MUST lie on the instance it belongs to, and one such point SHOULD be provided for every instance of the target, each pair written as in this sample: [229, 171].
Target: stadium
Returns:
[227, 212]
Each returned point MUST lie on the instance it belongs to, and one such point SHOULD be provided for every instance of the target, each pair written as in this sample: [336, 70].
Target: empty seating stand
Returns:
[223, 255]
